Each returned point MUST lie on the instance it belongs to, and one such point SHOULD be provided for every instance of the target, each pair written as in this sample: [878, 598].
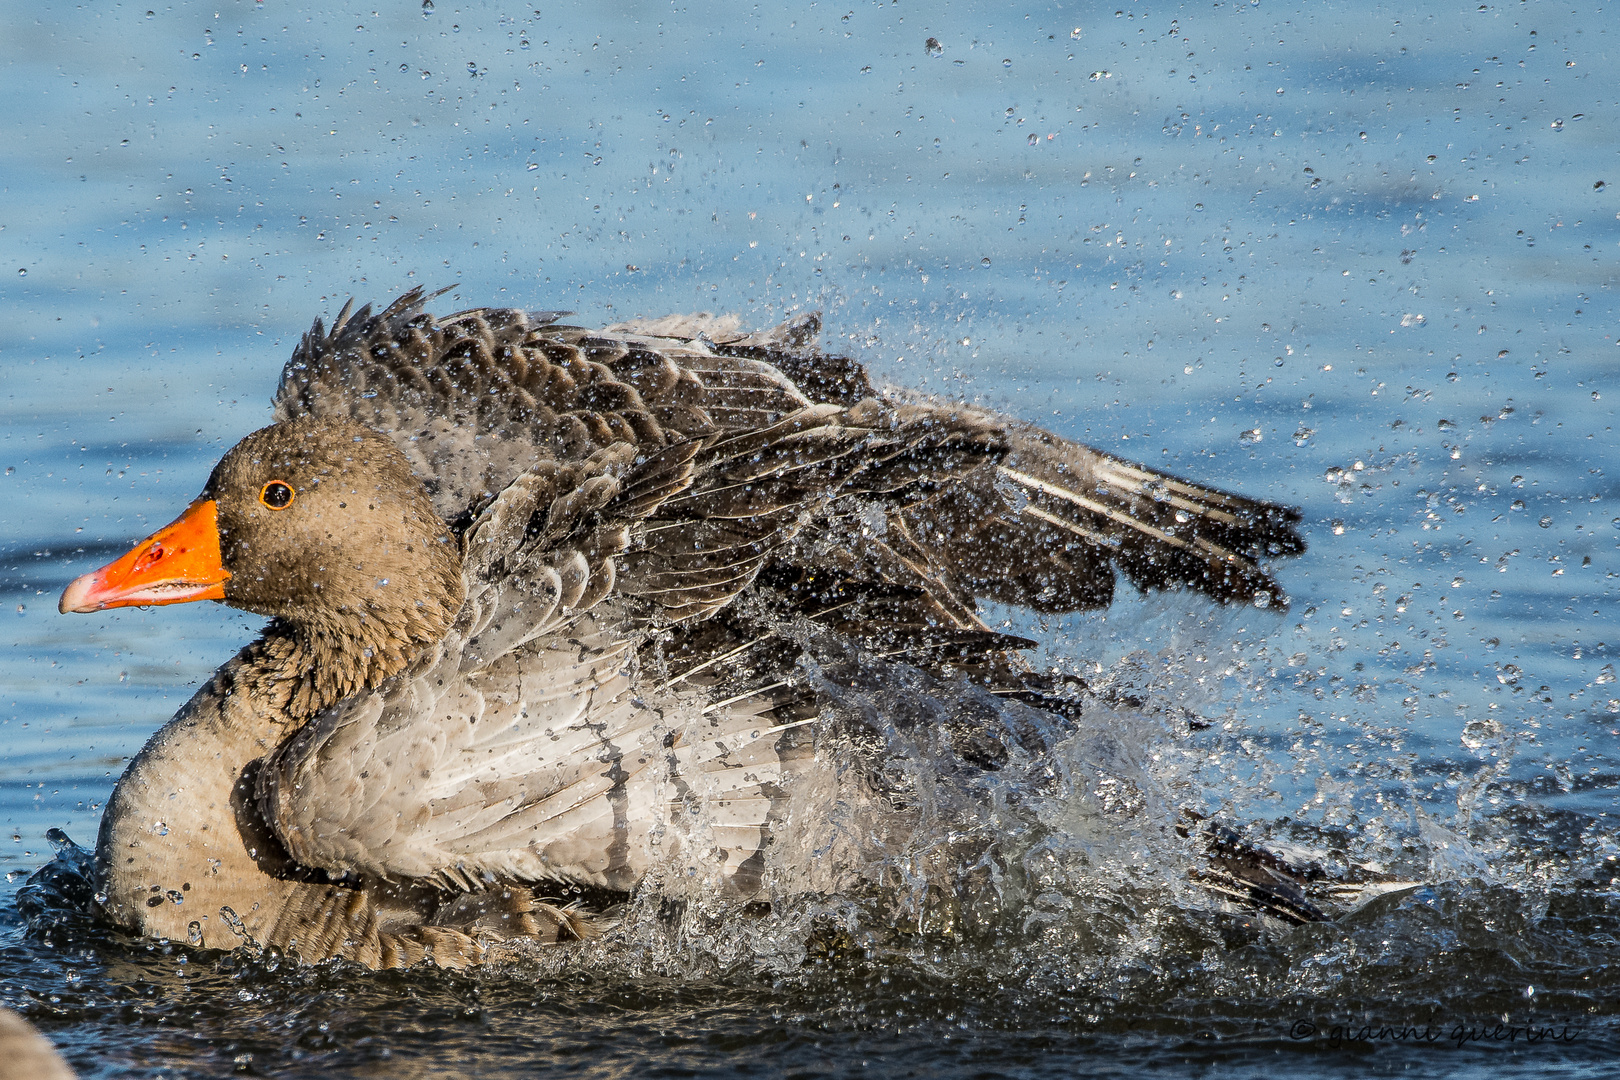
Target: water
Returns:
[1356, 258]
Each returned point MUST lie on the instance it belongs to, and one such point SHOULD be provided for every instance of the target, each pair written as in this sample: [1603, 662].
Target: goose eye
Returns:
[276, 495]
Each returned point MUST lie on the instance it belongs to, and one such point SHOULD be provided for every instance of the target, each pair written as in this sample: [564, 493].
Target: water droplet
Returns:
[1476, 733]
[427, 7]
[22, 271]
[1558, 125]
[523, 43]
[1006, 63]
[985, 261]
[933, 47]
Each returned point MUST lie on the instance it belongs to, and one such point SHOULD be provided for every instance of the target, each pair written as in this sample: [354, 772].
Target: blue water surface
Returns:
[1360, 258]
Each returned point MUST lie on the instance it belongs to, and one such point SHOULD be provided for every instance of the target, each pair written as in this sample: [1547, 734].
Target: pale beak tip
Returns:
[75, 596]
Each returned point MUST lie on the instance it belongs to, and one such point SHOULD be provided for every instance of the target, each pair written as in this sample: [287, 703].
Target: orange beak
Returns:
[179, 562]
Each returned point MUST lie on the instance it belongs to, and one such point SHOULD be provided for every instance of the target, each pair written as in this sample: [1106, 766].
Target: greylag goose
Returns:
[537, 595]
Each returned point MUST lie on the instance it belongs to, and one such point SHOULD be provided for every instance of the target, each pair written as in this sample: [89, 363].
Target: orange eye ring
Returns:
[276, 495]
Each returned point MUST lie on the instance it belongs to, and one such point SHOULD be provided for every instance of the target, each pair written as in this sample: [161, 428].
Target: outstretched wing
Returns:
[475, 398]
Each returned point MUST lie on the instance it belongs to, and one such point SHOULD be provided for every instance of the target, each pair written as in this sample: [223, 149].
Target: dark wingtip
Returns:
[1249, 874]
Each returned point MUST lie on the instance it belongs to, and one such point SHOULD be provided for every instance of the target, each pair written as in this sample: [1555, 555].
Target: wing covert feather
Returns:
[473, 399]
